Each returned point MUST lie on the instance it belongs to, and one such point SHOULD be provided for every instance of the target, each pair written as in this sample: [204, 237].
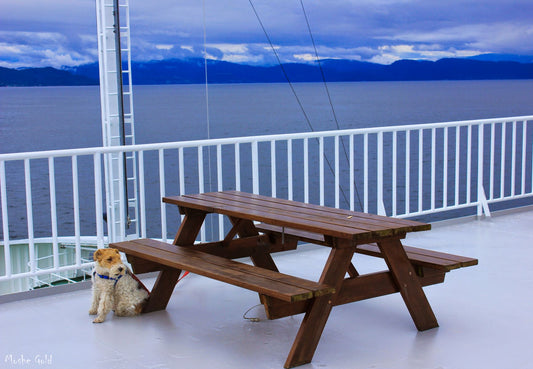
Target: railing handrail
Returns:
[247, 139]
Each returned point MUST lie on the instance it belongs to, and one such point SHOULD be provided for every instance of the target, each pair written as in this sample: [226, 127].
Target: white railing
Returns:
[58, 197]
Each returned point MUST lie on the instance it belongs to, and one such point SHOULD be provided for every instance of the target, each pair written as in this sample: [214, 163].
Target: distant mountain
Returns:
[188, 71]
[503, 57]
[42, 77]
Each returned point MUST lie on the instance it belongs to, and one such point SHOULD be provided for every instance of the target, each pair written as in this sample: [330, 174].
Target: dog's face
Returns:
[107, 258]
[117, 270]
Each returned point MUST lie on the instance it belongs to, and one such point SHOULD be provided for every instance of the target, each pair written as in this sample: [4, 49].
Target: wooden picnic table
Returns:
[263, 225]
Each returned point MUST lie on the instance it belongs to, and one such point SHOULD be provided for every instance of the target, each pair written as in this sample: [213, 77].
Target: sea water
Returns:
[49, 118]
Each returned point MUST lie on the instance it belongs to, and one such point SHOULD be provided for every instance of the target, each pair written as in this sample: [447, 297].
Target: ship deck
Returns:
[484, 314]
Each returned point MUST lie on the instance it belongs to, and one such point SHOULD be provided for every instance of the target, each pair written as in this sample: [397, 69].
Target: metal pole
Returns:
[120, 97]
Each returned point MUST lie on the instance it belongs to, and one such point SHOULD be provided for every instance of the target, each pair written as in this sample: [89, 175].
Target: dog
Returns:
[115, 287]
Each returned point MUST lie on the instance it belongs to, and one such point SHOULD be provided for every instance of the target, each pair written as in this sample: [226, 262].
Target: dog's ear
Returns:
[97, 255]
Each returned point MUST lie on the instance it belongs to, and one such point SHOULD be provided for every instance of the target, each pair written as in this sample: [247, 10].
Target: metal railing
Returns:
[456, 168]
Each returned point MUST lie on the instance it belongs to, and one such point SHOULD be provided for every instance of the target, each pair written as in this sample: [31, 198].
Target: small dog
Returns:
[115, 287]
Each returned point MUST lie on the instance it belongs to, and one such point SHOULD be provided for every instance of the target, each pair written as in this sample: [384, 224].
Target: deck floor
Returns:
[484, 312]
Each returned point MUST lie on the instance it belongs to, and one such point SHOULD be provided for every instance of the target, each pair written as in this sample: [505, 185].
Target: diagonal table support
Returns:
[408, 283]
[168, 278]
[315, 318]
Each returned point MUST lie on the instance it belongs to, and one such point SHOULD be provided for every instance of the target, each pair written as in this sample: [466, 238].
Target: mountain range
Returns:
[176, 71]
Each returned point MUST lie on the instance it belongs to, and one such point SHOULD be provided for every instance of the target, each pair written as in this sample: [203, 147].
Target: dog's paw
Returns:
[93, 312]
[99, 319]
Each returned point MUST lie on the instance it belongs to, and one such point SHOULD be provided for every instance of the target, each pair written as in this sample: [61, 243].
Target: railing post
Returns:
[255, 168]
[5, 222]
[336, 173]
[380, 204]
[483, 205]
[98, 199]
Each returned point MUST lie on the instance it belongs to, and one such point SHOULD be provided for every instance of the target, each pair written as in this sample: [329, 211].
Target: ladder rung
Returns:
[126, 115]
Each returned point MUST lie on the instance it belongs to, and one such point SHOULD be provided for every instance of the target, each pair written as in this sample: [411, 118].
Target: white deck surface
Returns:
[485, 314]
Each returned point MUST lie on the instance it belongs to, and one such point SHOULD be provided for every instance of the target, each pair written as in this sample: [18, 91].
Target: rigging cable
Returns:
[296, 95]
[319, 65]
[327, 92]
[208, 121]
[205, 72]
[281, 66]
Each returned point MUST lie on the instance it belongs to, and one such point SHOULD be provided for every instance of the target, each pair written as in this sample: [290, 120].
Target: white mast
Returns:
[116, 98]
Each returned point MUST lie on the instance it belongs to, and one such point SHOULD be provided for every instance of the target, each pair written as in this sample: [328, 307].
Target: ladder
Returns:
[116, 98]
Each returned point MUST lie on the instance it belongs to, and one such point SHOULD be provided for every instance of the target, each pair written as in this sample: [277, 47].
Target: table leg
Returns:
[168, 278]
[407, 281]
[315, 318]
[162, 290]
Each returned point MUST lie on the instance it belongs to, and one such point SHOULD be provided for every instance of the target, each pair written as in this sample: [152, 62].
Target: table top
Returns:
[339, 223]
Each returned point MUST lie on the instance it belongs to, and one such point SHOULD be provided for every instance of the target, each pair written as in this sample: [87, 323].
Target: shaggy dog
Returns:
[115, 287]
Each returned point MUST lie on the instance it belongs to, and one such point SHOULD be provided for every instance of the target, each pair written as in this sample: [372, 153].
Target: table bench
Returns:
[420, 258]
[148, 255]
[263, 225]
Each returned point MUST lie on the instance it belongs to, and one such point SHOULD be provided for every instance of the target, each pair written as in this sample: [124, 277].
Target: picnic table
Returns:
[263, 225]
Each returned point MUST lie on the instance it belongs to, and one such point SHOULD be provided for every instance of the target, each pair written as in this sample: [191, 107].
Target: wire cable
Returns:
[208, 120]
[308, 121]
[328, 94]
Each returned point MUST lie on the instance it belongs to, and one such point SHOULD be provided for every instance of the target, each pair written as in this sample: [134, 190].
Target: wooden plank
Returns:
[277, 218]
[428, 258]
[141, 266]
[162, 290]
[353, 289]
[460, 261]
[408, 283]
[290, 232]
[189, 261]
[241, 247]
[423, 257]
[334, 217]
[225, 263]
[317, 219]
[377, 284]
[278, 285]
[311, 209]
[190, 227]
[315, 318]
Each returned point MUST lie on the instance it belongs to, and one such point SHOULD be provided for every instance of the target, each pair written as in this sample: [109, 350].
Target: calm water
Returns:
[46, 118]
[69, 117]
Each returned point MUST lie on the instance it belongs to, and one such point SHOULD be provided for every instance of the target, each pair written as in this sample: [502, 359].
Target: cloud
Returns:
[33, 32]
[42, 49]
[305, 57]
[164, 47]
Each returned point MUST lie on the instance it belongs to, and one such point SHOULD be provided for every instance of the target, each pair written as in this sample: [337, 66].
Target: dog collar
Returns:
[107, 277]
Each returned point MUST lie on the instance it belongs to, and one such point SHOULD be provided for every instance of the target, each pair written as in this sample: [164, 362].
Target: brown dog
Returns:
[115, 287]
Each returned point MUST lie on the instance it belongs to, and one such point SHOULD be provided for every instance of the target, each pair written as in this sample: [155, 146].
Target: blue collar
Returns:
[107, 277]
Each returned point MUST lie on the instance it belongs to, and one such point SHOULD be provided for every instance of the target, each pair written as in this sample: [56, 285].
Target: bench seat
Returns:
[418, 257]
[264, 281]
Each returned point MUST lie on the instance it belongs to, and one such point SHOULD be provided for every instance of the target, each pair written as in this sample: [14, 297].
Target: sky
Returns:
[59, 33]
